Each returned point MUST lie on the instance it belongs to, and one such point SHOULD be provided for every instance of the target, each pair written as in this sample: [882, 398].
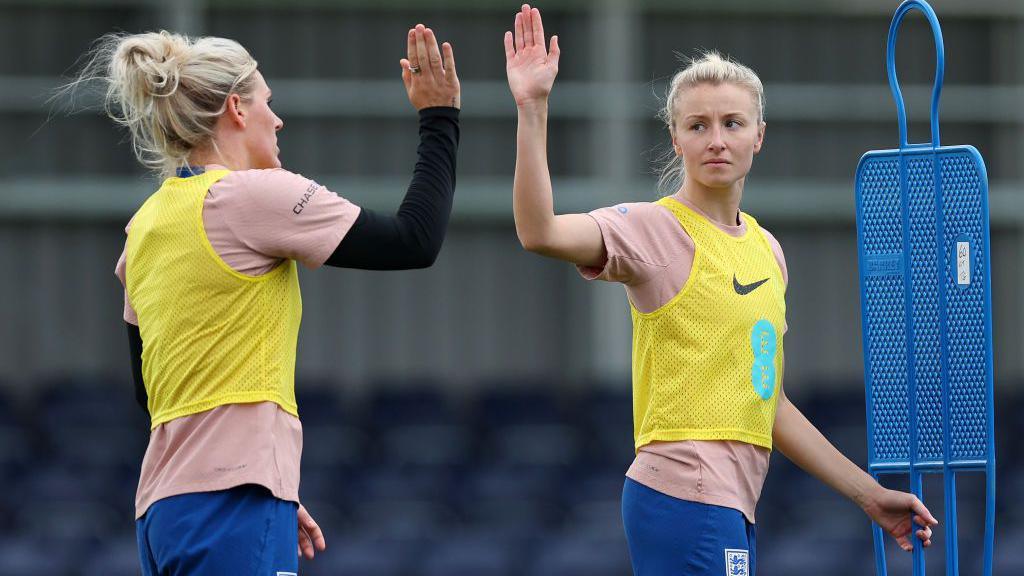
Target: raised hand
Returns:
[531, 67]
[429, 76]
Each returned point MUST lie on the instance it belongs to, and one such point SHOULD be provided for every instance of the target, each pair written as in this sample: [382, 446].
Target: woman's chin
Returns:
[719, 183]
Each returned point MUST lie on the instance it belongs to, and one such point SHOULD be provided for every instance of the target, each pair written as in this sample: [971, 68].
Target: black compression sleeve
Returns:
[411, 238]
[135, 350]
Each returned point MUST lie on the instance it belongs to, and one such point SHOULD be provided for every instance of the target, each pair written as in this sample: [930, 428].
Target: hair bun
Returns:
[156, 59]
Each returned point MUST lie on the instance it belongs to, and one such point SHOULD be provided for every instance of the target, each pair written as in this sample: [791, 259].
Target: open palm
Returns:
[530, 66]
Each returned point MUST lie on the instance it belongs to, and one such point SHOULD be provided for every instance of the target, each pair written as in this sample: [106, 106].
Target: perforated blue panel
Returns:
[886, 331]
[962, 184]
[927, 348]
[961, 336]
[888, 366]
[882, 217]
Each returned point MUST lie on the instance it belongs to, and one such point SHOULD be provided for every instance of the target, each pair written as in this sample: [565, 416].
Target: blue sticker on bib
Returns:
[763, 343]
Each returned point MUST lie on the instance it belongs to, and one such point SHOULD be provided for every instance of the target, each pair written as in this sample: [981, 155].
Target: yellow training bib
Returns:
[210, 335]
[707, 364]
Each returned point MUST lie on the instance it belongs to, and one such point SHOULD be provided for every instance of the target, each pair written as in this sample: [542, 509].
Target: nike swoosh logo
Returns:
[744, 289]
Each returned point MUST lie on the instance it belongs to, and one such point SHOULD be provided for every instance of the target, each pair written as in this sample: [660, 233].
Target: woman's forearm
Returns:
[532, 201]
[412, 238]
[802, 443]
[531, 69]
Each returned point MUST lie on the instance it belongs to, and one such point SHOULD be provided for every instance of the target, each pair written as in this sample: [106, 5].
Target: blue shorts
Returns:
[671, 537]
[244, 530]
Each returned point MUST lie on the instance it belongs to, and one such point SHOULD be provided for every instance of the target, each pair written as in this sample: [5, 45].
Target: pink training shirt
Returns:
[651, 254]
[254, 220]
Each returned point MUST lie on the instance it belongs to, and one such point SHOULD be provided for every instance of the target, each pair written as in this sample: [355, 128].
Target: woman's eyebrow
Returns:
[699, 115]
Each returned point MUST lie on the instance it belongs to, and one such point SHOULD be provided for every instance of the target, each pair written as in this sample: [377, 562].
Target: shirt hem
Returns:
[704, 434]
[689, 494]
[143, 504]
[245, 398]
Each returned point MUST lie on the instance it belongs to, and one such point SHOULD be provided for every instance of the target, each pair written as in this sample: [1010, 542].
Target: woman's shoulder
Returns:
[643, 221]
[260, 176]
[266, 186]
[636, 212]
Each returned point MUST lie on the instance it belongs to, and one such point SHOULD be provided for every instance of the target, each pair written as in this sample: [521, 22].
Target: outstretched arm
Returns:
[802, 443]
[531, 69]
[412, 238]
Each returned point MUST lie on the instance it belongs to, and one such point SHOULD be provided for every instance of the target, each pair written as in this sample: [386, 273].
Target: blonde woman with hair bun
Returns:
[212, 302]
[706, 286]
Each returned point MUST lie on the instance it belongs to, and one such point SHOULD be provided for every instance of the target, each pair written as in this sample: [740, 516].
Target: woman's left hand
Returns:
[892, 509]
[429, 72]
[311, 538]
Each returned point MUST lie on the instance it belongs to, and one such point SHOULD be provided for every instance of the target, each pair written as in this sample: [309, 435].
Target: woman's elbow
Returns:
[424, 257]
[532, 242]
[424, 262]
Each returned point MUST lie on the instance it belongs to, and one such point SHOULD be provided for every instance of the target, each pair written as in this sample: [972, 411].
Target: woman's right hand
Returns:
[429, 77]
[531, 68]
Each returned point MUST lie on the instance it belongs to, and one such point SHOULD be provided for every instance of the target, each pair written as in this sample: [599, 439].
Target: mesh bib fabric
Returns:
[211, 336]
[707, 364]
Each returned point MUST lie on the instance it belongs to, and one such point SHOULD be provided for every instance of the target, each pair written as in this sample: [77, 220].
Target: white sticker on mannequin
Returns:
[963, 263]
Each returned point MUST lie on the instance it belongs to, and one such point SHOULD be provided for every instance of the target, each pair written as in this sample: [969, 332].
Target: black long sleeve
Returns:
[412, 238]
[135, 350]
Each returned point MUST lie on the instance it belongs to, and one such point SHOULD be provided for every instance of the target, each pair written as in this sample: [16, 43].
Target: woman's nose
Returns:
[715, 141]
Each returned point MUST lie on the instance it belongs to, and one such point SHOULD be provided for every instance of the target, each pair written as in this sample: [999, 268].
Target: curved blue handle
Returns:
[940, 65]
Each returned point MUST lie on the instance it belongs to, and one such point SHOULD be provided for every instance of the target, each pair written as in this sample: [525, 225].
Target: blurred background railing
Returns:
[527, 490]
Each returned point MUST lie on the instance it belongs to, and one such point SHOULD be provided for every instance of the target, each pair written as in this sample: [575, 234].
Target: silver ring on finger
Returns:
[414, 69]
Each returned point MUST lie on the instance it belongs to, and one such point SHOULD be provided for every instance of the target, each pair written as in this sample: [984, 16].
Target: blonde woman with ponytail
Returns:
[212, 302]
[706, 286]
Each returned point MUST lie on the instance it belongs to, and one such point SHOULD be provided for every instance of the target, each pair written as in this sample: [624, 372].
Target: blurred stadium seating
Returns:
[406, 481]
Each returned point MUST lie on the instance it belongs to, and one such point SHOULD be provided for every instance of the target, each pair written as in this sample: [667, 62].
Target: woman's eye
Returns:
[697, 127]
[732, 124]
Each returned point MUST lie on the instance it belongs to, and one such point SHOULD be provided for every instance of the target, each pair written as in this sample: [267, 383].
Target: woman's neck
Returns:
[222, 155]
[721, 205]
